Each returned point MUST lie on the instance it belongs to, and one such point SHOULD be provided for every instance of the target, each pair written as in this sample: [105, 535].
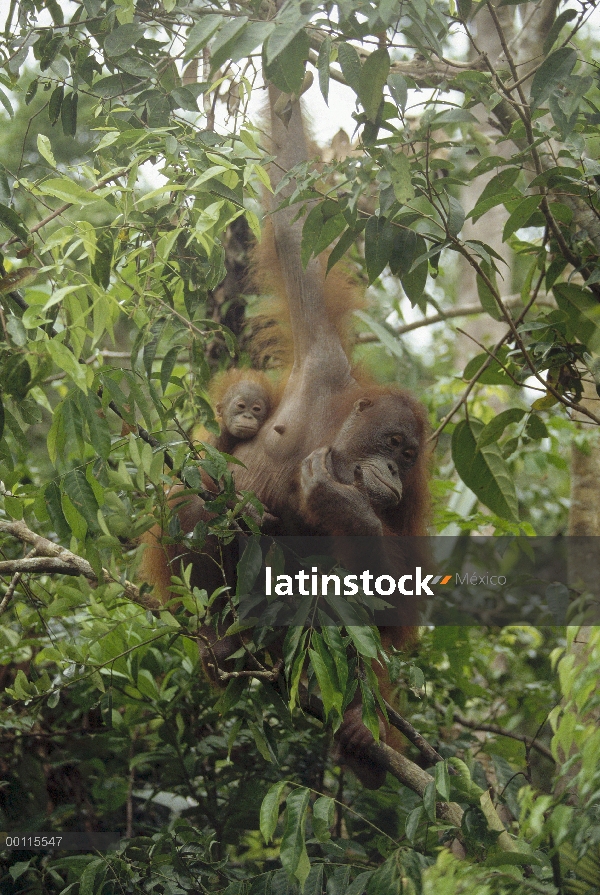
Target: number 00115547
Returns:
[64, 841]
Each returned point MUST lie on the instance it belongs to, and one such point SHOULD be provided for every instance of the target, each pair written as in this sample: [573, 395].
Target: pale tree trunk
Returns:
[525, 41]
[487, 229]
[584, 521]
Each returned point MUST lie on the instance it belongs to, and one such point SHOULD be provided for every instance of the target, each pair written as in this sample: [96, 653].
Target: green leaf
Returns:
[486, 296]
[254, 35]
[360, 885]
[67, 190]
[214, 185]
[372, 80]
[11, 220]
[88, 877]
[249, 566]
[388, 339]
[416, 678]
[17, 376]
[261, 741]
[560, 21]
[323, 67]
[429, 800]
[289, 21]
[492, 202]
[333, 639]
[536, 428]
[583, 313]
[293, 848]
[49, 49]
[442, 780]
[22, 687]
[133, 64]
[369, 713]
[231, 696]
[295, 677]
[404, 251]
[146, 684]
[401, 179]
[287, 71]
[269, 810]
[350, 64]
[330, 231]
[484, 470]
[387, 879]
[345, 242]
[68, 114]
[494, 429]
[464, 8]
[456, 216]
[314, 884]
[73, 428]
[322, 818]
[331, 696]
[412, 823]
[66, 360]
[100, 267]
[399, 90]
[551, 73]
[496, 187]
[167, 366]
[97, 425]
[7, 104]
[311, 230]
[123, 38]
[379, 243]
[55, 11]
[76, 522]
[521, 215]
[2, 417]
[364, 640]
[45, 149]
[200, 34]
[414, 281]
[31, 91]
[80, 493]
[225, 39]
[55, 104]
[500, 183]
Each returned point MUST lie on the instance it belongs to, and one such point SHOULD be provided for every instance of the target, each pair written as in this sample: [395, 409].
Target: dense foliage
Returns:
[133, 178]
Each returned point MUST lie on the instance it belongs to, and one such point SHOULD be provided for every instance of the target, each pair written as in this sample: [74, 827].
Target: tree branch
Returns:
[404, 770]
[53, 558]
[413, 735]
[66, 206]
[466, 311]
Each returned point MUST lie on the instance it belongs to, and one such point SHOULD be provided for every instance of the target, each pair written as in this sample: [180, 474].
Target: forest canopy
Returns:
[454, 175]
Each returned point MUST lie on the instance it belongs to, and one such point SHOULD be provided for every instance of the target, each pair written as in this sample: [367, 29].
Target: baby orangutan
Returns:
[243, 401]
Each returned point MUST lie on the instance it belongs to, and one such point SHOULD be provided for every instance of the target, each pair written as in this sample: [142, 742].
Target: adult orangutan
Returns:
[339, 455]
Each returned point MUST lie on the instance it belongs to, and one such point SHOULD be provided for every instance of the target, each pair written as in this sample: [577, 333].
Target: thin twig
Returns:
[497, 359]
[530, 742]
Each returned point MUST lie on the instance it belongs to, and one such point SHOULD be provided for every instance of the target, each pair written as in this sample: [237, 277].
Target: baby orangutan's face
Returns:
[244, 409]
